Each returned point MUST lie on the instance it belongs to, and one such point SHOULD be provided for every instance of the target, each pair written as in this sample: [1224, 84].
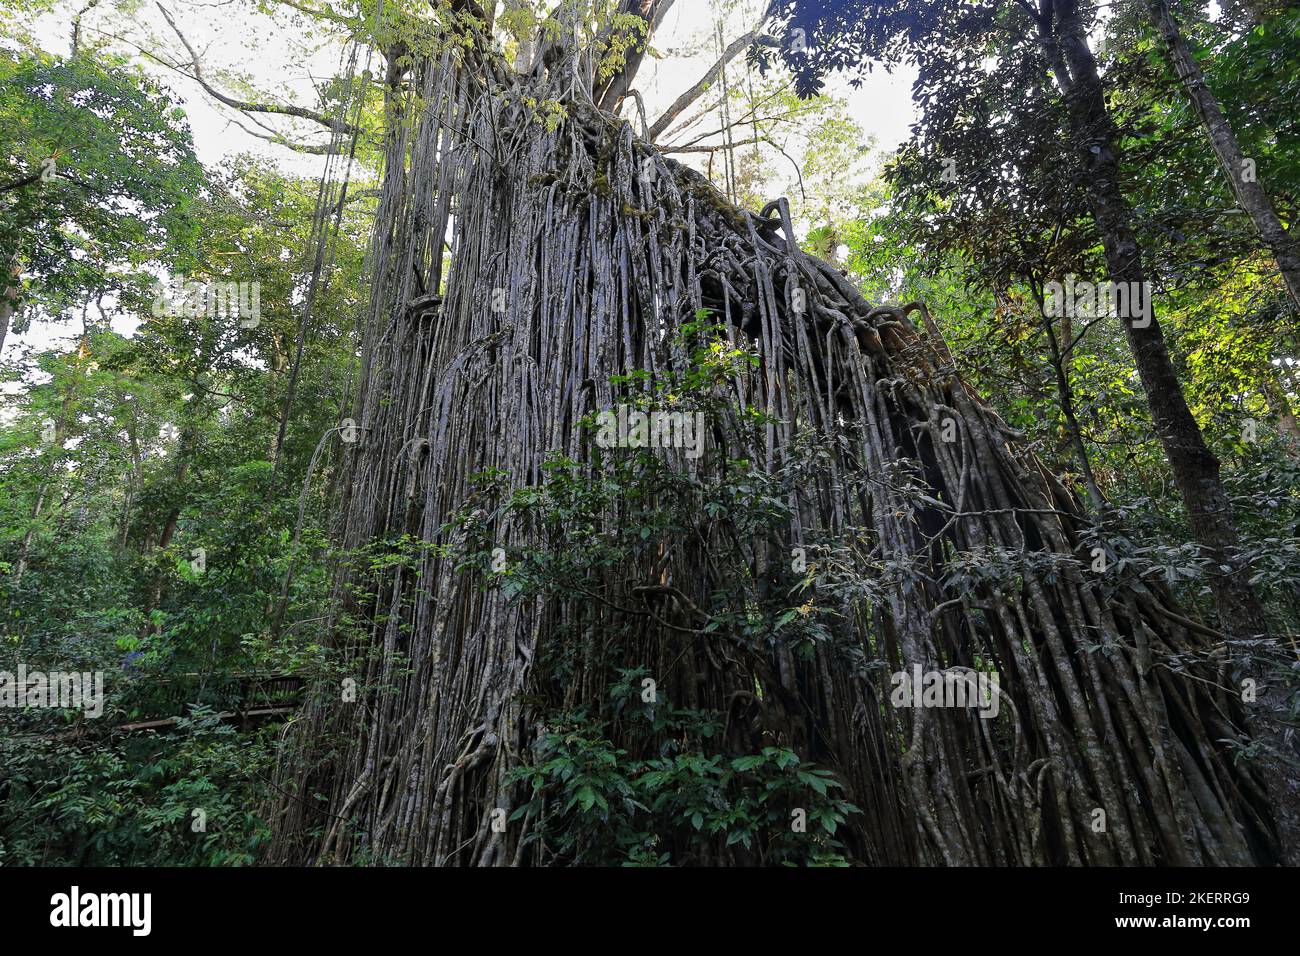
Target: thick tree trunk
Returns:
[572, 273]
[1241, 172]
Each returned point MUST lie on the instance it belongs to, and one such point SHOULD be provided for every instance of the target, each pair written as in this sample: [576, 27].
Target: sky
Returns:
[233, 43]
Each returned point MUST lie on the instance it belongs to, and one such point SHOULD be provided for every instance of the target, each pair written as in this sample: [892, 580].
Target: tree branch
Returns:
[301, 112]
[705, 82]
[651, 13]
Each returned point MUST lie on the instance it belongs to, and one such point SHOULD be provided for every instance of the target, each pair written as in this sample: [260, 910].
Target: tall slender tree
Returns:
[1240, 170]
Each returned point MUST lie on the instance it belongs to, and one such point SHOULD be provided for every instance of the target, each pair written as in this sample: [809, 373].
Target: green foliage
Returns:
[133, 802]
[637, 780]
[122, 456]
[596, 804]
[97, 174]
[144, 530]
